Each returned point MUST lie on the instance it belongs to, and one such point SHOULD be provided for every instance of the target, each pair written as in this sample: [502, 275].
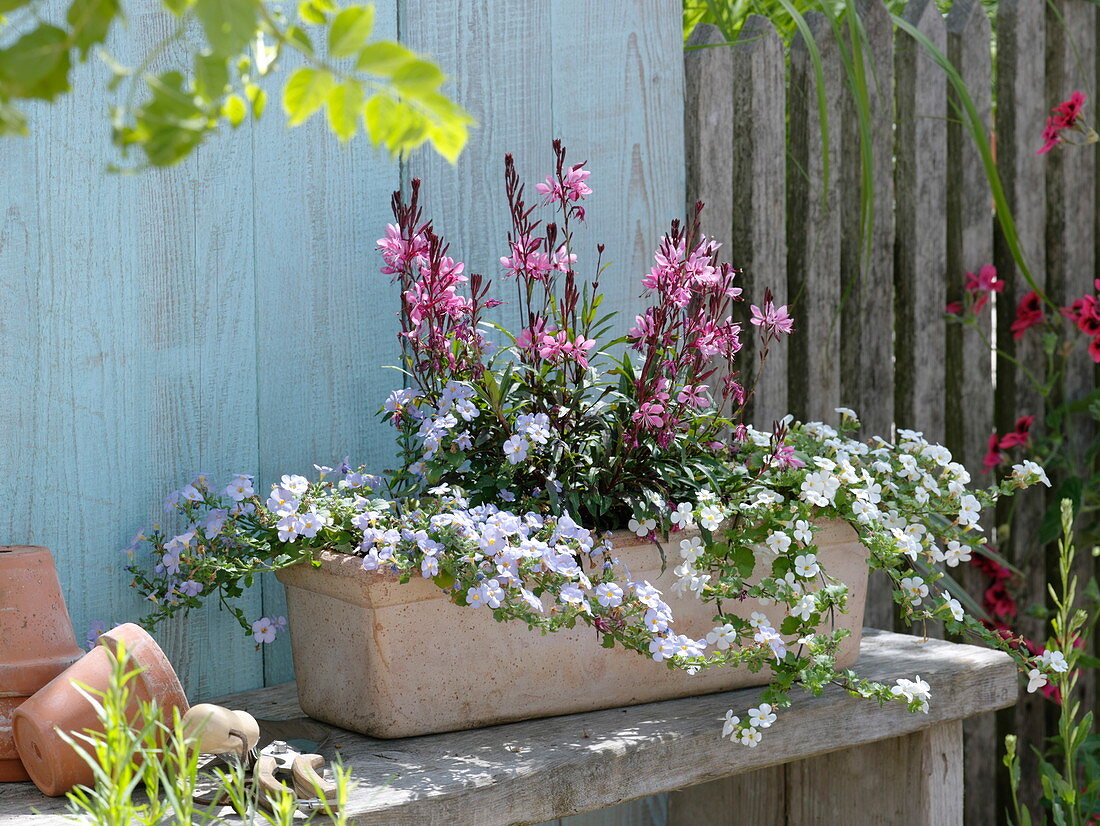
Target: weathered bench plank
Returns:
[543, 769]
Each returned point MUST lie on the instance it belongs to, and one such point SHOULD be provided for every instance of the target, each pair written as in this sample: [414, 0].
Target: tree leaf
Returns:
[350, 30]
[234, 110]
[211, 76]
[383, 58]
[417, 77]
[37, 64]
[342, 108]
[229, 24]
[305, 92]
[90, 21]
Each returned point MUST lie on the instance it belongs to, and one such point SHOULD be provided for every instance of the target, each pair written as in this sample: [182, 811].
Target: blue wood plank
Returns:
[326, 318]
[619, 102]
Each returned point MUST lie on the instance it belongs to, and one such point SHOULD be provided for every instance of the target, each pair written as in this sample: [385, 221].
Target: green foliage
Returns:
[165, 114]
[137, 748]
[1070, 772]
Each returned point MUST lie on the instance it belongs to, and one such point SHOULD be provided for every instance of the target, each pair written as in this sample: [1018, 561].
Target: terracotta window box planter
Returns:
[397, 660]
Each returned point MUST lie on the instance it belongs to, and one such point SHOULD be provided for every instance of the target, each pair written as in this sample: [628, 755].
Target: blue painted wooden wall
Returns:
[227, 314]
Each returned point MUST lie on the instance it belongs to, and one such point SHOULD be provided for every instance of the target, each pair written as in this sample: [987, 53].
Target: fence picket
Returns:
[1021, 109]
[758, 241]
[867, 262]
[921, 180]
[969, 369]
[1071, 221]
[813, 227]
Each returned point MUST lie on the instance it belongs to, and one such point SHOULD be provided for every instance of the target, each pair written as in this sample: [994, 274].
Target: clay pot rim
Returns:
[156, 669]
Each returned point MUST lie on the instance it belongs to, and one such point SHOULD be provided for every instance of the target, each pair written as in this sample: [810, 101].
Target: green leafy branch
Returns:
[380, 86]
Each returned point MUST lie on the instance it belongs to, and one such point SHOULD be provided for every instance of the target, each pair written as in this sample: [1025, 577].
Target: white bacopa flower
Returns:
[1035, 680]
[295, 484]
[683, 517]
[955, 607]
[1028, 473]
[515, 449]
[609, 595]
[722, 637]
[758, 620]
[915, 588]
[913, 690]
[730, 724]
[642, 528]
[847, 413]
[907, 543]
[805, 607]
[692, 549]
[805, 565]
[803, 532]
[956, 552]
[761, 717]
[750, 737]
[970, 510]
[777, 542]
[1055, 661]
[711, 517]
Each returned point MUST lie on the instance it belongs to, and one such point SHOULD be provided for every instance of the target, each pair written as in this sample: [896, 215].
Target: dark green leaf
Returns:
[90, 21]
[228, 24]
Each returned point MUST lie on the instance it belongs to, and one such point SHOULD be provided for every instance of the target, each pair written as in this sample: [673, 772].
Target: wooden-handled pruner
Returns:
[306, 771]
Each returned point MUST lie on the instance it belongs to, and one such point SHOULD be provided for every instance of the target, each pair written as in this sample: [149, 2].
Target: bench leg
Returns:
[916, 779]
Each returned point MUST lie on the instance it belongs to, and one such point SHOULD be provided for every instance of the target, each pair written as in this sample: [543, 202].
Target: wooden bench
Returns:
[828, 759]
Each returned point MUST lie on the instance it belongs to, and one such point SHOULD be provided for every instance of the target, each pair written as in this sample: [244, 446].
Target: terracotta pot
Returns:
[54, 765]
[392, 660]
[36, 638]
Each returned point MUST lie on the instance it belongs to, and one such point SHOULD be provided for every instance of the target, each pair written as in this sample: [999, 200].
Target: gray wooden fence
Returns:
[869, 305]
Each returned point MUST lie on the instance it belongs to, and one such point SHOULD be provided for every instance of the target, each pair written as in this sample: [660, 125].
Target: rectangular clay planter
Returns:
[392, 660]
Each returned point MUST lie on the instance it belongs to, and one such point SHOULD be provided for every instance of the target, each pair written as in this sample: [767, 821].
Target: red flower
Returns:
[1064, 117]
[980, 286]
[1029, 313]
[1094, 349]
[993, 455]
[1021, 435]
[954, 308]
[1071, 109]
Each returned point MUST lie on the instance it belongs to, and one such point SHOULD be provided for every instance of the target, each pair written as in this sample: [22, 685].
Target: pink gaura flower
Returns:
[650, 415]
[773, 320]
[784, 458]
[573, 187]
[693, 396]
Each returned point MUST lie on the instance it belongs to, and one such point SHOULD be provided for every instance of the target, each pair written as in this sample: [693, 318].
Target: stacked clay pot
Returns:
[54, 765]
[36, 638]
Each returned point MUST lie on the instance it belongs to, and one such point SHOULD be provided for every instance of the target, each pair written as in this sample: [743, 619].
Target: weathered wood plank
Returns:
[867, 241]
[542, 769]
[867, 263]
[1021, 111]
[813, 228]
[126, 399]
[921, 181]
[618, 96]
[758, 242]
[326, 319]
[756, 798]
[969, 366]
[710, 130]
[916, 779]
[1071, 224]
